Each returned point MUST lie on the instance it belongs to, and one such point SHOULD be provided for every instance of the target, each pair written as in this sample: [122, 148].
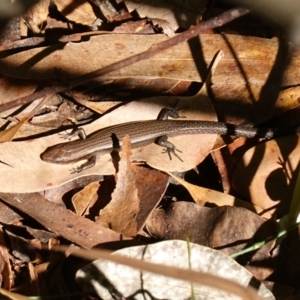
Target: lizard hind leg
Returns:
[169, 147]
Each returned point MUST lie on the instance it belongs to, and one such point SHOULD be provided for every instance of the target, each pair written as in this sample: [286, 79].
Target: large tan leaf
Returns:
[255, 56]
[22, 162]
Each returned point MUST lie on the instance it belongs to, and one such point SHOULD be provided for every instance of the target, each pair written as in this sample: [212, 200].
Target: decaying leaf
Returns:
[8, 134]
[84, 198]
[113, 279]
[151, 185]
[142, 26]
[8, 215]
[204, 196]
[7, 276]
[164, 25]
[107, 9]
[99, 107]
[177, 13]
[36, 16]
[78, 11]
[120, 214]
[60, 220]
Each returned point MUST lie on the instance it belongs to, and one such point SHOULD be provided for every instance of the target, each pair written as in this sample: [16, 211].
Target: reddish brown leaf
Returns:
[151, 185]
[60, 220]
[120, 214]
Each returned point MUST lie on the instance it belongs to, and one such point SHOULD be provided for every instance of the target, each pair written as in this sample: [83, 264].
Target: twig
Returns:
[153, 50]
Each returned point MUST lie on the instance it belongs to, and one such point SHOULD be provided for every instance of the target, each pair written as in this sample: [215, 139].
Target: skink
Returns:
[143, 133]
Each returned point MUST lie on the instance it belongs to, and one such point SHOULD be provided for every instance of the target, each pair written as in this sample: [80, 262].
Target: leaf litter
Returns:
[131, 206]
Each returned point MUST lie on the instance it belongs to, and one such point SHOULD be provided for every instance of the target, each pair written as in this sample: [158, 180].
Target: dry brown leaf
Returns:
[99, 107]
[7, 277]
[83, 198]
[164, 25]
[287, 99]
[36, 16]
[266, 175]
[41, 236]
[229, 229]
[108, 11]
[249, 108]
[8, 215]
[10, 31]
[120, 214]
[77, 11]
[177, 13]
[33, 279]
[204, 196]
[61, 221]
[18, 245]
[8, 134]
[151, 185]
[56, 194]
[141, 26]
[175, 63]
[40, 123]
